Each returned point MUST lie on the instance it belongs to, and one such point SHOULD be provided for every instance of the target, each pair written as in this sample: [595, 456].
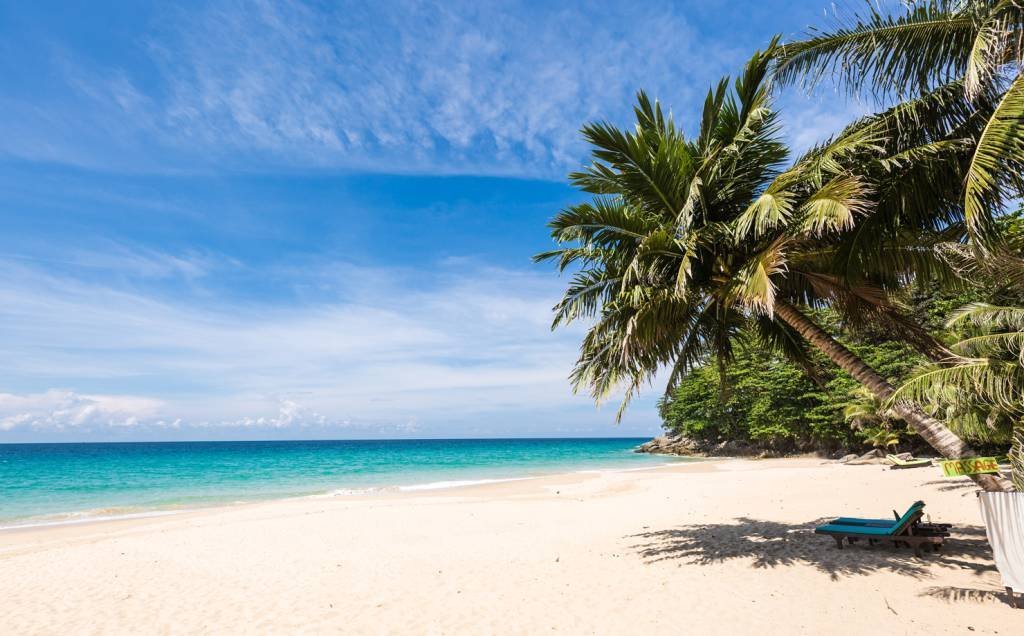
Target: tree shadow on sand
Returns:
[773, 544]
[964, 485]
[970, 595]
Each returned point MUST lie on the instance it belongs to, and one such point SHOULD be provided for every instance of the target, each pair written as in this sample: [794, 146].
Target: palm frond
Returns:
[988, 317]
[999, 149]
[998, 266]
[928, 44]
[835, 206]
[753, 285]
[986, 379]
[1016, 457]
[768, 212]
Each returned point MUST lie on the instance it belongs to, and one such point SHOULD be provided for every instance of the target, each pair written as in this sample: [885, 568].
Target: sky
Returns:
[299, 220]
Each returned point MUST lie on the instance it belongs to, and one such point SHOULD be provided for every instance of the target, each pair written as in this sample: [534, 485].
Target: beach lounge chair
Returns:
[920, 527]
[907, 463]
[906, 529]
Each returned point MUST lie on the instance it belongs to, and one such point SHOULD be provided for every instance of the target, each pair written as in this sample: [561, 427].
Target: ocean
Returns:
[61, 483]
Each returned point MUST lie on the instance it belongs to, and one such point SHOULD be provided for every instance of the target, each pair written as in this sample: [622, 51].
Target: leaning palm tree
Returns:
[974, 45]
[686, 240]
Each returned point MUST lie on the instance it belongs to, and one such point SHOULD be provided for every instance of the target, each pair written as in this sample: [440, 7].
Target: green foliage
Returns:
[881, 437]
[763, 399]
[687, 241]
[1016, 457]
[770, 402]
[978, 389]
[714, 249]
[984, 374]
[924, 49]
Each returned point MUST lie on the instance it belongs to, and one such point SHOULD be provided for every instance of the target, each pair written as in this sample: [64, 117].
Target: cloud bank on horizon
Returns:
[381, 352]
[299, 219]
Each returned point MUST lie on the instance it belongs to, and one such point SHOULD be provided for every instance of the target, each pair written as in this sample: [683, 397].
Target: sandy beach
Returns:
[713, 547]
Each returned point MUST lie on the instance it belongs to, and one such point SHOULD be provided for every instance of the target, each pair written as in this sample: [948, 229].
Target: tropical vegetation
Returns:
[767, 403]
[712, 254]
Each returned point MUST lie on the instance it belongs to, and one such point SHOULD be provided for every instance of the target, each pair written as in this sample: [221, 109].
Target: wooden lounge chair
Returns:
[898, 463]
[905, 530]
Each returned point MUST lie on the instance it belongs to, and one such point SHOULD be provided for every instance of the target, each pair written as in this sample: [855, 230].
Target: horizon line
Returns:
[362, 439]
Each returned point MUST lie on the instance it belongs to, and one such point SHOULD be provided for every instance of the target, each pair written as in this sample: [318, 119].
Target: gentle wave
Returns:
[89, 516]
[600, 471]
[457, 483]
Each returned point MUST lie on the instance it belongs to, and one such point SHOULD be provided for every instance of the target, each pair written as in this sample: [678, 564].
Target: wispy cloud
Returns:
[811, 119]
[108, 257]
[395, 86]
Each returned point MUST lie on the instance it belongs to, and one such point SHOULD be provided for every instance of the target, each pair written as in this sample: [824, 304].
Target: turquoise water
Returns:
[52, 482]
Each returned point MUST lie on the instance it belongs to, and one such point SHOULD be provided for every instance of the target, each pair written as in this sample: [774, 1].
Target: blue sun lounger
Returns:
[904, 530]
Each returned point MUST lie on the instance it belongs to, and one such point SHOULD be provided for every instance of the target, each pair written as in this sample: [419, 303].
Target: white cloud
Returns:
[60, 410]
[379, 351]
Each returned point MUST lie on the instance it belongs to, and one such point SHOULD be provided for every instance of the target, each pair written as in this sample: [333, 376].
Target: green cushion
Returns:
[856, 521]
[911, 511]
[870, 531]
[871, 527]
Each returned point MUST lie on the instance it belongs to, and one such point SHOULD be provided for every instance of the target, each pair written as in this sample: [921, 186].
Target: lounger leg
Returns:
[1010, 595]
[839, 542]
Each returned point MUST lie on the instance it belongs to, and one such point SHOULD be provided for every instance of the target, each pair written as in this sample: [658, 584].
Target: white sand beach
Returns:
[714, 547]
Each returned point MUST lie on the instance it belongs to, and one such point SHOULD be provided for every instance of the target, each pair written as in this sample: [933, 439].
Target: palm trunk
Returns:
[937, 434]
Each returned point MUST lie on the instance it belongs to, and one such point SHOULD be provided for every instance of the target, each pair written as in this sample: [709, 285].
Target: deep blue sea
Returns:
[43, 483]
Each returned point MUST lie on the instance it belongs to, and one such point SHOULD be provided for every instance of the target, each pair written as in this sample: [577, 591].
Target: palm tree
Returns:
[988, 369]
[686, 240]
[974, 45]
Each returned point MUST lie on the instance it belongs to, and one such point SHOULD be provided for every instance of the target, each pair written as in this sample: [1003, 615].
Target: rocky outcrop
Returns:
[687, 447]
[875, 456]
[670, 445]
[682, 445]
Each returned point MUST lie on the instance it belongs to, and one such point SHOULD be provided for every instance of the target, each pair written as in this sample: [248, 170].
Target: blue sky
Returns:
[304, 220]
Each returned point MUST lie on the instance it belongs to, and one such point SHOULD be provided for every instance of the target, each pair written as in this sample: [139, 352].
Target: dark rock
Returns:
[873, 456]
[671, 445]
[681, 445]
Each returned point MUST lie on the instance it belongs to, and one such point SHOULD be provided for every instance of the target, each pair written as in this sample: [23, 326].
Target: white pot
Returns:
[1003, 513]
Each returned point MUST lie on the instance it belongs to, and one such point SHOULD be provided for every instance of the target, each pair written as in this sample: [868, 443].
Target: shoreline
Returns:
[98, 516]
[717, 545]
[159, 477]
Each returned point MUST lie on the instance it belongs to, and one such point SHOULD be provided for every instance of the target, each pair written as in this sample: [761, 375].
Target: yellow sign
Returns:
[970, 466]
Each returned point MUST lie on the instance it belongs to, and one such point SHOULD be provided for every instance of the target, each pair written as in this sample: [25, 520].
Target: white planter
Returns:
[1003, 513]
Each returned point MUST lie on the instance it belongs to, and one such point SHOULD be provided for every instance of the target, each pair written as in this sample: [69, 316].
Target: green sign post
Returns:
[970, 466]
